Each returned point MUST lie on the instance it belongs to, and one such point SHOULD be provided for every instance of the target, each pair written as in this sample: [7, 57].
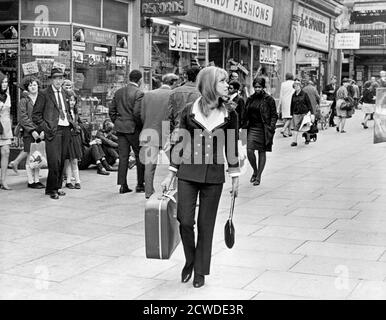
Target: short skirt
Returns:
[27, 143]
[75, 148]
[368, 108]
[256, 139]
[297, 120]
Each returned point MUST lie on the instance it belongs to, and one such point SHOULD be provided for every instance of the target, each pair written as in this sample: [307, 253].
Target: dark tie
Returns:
[62, 116]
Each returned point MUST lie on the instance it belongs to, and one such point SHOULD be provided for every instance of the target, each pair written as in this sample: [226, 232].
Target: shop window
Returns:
[46, 10]
[9, 10]
[99, 71]
[87, 12]
[115, 15]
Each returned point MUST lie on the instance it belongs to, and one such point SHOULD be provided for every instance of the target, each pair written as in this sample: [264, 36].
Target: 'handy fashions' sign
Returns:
[246, 9]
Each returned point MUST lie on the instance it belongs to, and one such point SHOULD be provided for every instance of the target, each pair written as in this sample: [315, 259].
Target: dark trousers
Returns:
[333, 114]
[111, 154]
[210, 194]
[125, 141]
[90, 156]
[57, 152]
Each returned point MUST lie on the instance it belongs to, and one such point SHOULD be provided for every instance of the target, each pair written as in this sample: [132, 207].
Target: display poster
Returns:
[181, 39]
[45, 49]
[30, 68]
[268, 55]
[314, 30]
[380, 117]
[45, 65]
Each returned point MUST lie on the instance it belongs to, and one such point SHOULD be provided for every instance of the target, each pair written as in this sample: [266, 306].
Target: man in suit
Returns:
[155, 108]
[52, 115]
[331, 90]
[234, 92]
[125, 113]
[181, 96]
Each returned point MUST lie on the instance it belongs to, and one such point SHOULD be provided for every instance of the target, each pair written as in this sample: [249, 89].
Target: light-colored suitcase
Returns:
[161, 226]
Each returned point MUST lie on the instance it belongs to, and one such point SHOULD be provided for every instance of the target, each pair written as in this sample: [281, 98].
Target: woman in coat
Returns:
[6, 134]
[30, 130]
[342, 98]
[368, 99]
[260, 121]
[206, 127]
[300, 106]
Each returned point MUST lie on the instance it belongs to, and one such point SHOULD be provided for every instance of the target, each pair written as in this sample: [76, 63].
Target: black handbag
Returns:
[229, 229]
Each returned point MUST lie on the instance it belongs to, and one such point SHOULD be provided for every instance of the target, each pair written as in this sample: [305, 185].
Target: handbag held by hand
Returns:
[229, 228]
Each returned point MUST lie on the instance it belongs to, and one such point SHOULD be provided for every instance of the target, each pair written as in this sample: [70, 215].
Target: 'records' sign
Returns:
[162, 8]
[181, 39]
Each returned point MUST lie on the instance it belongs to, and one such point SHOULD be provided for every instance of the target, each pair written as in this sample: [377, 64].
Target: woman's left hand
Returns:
[235, 186]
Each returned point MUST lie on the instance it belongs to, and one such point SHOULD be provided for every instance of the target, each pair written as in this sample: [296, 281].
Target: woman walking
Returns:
[29, 129]
[260, 121]
[300, 106]
[6, 132]
[342, 97]
[206, 127]
[368, 98]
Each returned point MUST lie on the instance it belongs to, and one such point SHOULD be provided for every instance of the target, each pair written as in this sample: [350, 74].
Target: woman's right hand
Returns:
[166, 184]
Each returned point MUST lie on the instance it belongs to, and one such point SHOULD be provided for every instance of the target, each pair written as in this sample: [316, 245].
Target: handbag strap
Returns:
[232, 207]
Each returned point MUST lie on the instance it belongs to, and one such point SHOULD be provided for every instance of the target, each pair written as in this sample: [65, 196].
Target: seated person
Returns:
[109, 142]
[93, 152]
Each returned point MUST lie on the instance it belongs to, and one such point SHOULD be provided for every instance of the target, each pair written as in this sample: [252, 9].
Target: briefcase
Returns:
[161, 226]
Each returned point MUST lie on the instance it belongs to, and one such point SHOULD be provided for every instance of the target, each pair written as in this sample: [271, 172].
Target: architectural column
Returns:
[290, 55]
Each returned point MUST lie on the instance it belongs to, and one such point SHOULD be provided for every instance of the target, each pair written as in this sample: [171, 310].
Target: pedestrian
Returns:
[202, 174]
[286, 92]
[52, 115]
[330, 91]
[368, 98]
[125, 113]
[300, 106]
[6, 132]
[260, 121]
[75, 147]
[180, 97]
[356, 93]
[109, 144]
[313, 94]
[234, 95]
[342, 98]
[29, 129]
[382, 80]
[154, 111]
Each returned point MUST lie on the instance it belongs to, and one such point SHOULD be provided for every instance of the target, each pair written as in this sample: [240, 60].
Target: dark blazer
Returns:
[46, 113]
[268, 113]
[301, 103]
[240, 108]
[198, 156]
[154, 110]
[125, 109]
[25, 115]
[327, 89]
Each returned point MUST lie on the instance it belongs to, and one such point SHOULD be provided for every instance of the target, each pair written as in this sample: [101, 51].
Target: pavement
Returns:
[314, 229]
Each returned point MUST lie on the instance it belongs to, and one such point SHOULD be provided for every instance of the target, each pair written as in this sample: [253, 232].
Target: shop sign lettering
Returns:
[34, 31]
[245, 9]
[268, 55]
[100, 37]
[314, 31]
[347, 40]
[183, 39]
[159, 8]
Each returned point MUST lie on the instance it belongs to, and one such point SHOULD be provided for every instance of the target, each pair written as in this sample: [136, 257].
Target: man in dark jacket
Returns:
[52, 115]
[125, 113]
[234, 92]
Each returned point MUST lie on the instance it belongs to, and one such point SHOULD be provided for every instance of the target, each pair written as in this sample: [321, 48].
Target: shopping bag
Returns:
[38, 157]
[306, 123]
[243, 159]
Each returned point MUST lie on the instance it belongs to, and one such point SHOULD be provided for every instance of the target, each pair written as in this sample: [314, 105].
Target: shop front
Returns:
[89, 40]
[245, 37]
[313, 47]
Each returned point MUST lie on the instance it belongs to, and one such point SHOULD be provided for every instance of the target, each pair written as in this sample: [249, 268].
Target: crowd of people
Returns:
[204, 115]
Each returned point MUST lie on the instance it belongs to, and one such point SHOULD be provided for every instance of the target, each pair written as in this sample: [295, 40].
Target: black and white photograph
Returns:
[209, 154]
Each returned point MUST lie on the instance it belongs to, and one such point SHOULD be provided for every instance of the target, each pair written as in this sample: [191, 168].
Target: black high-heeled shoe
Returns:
[253, 179]
[186, 273]
[198, 281]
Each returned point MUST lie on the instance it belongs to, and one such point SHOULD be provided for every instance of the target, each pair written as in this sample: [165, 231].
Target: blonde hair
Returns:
[207, 81]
